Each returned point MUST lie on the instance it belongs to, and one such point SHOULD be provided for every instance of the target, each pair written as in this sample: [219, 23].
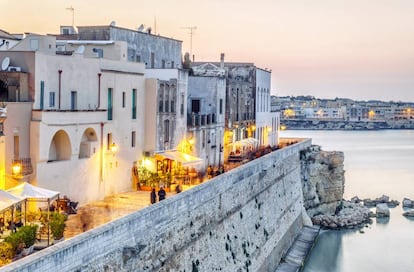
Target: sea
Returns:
[376, 163]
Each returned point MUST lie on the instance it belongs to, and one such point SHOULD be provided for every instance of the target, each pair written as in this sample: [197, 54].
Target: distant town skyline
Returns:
[358, 49]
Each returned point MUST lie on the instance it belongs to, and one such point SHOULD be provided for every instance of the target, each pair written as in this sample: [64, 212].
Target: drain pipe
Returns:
[99, 90]
[101, 155]
[60, 87]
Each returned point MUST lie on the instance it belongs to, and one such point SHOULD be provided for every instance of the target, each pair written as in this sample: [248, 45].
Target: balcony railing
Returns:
[197, 120]
[24, 167]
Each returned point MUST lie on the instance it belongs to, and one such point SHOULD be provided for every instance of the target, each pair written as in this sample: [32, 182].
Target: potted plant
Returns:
[57, 226]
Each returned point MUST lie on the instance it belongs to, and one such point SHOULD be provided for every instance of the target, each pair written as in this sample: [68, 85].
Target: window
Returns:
[195, 105]
[123, 99]
[182, 105]
[16, 147]
[172, 64]
[138, 58]
[163, 64]
[172, 106]
[152, 59]
[42, 93]
[108, 141]
[110, 109]
[166, 106]
[221, 106]
[166, 130]
[73, 100]
[52, 99]
[34, 44]
[134, 104]
[133, 138]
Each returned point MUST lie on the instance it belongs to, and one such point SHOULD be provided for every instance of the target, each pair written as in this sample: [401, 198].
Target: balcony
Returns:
[22, 167]
[68, 117]
[198, 120]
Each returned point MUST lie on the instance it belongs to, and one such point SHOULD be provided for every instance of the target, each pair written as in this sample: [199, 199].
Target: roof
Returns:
[7, 35]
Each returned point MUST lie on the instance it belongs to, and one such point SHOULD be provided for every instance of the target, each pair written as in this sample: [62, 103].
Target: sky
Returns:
[358, 49]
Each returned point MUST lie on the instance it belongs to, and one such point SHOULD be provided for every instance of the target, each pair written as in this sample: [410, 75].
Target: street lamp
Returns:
[114, 148]
[16, 169]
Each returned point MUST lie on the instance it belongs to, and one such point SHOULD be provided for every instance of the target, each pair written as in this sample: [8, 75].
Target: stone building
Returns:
[247, 107]
[206, 111]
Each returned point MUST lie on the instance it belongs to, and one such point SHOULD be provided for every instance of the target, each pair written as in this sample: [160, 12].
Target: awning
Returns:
[184, 158]
[28, 191]
[7, 200]
[248, 142]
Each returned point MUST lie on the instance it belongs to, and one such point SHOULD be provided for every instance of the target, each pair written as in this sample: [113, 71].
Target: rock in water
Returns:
[382, 210]
[407, 203]
[409, 213]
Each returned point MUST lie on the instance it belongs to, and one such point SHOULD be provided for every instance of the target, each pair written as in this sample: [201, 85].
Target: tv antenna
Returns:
[72, 9]
[191, 29]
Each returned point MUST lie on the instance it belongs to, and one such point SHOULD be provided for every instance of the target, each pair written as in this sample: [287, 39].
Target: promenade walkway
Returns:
[97, 213]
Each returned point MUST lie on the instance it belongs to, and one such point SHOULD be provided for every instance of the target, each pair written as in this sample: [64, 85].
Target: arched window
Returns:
[60, 147]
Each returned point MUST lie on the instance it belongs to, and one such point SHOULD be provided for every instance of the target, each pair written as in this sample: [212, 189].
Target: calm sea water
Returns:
[376, 163]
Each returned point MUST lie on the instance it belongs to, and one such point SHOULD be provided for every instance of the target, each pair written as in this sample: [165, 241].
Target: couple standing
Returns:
[161, 195]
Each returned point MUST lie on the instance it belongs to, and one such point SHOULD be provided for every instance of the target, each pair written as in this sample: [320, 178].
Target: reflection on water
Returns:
[376, 163]
[331, 244]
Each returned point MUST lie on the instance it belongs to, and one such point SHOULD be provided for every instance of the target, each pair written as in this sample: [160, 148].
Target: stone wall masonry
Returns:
[242, 220]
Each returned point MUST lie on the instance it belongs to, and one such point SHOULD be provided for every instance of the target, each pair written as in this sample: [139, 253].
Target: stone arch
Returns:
[88, 144]
[60, 147]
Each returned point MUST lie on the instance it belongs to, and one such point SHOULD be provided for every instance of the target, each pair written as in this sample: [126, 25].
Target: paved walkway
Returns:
[97, 213]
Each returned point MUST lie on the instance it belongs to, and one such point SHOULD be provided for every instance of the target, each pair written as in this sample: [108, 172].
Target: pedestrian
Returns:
[161, 194]
[178, 189]
[153, 196]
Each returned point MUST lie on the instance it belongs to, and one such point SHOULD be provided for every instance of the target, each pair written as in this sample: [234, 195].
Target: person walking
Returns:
[153, 196]
[161, 194]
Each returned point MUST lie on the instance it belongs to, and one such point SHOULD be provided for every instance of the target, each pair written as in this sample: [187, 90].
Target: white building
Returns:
[82, 108]
[8, 40]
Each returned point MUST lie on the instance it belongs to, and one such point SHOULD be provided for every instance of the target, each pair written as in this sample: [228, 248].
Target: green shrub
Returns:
[57, 224]
[28, 234]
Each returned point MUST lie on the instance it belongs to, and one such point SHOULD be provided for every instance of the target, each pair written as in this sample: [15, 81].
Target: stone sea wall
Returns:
[242, 220]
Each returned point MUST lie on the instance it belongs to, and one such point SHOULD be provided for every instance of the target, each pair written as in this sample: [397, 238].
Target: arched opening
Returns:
[60, 147]
[89, 144]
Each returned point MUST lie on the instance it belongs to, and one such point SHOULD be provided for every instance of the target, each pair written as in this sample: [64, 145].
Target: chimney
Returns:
[222, 60]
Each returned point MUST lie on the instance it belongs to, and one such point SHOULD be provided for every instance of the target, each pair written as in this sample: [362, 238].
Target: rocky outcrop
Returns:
[351, 215]
[322, 180]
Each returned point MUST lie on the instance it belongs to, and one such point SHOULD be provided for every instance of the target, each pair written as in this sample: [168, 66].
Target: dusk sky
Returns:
[359, 49]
